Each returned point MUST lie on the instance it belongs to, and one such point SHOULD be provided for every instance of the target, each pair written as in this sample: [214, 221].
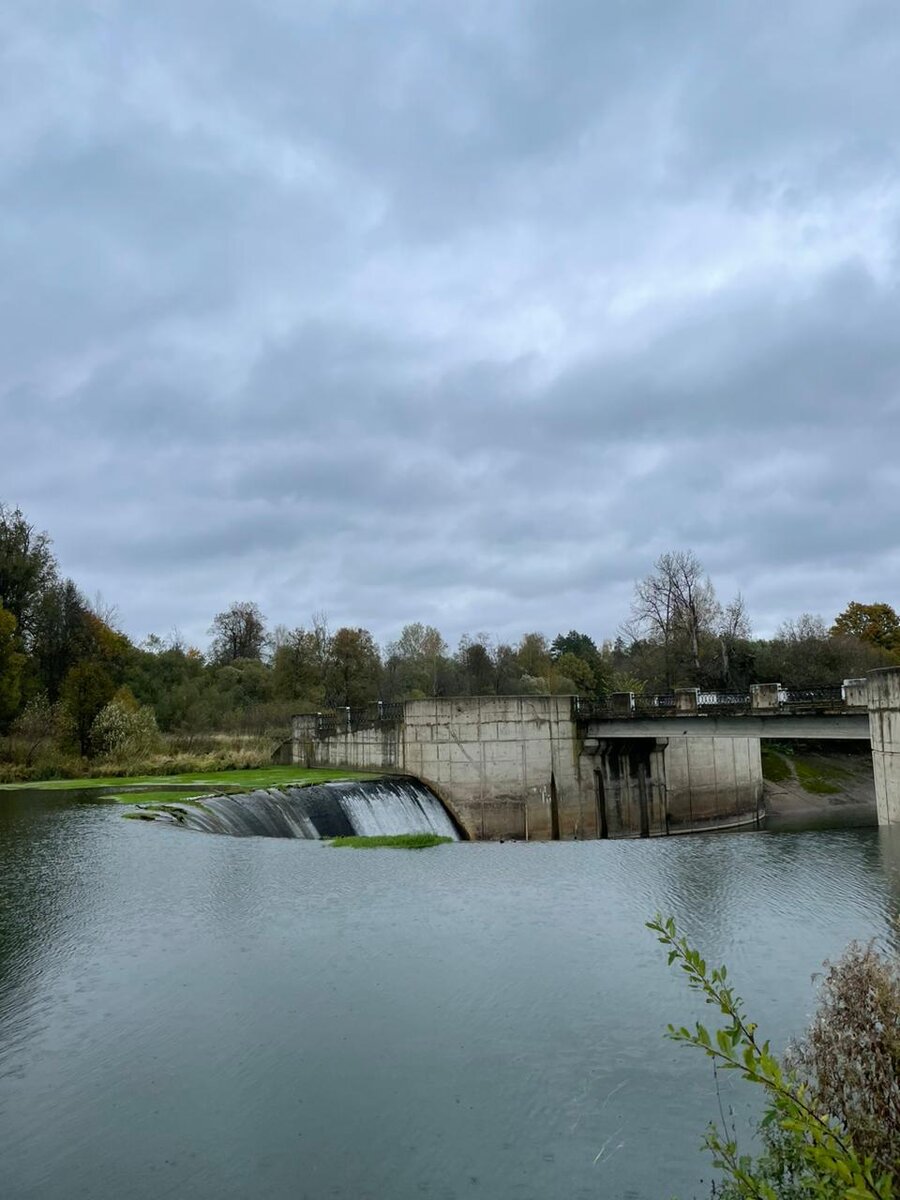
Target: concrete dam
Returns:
[555, 767]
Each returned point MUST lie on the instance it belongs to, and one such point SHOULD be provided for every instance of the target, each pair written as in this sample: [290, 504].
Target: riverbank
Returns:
[818, 785]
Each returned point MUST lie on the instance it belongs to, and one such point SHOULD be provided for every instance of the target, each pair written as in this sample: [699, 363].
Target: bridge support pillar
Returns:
[883, 693]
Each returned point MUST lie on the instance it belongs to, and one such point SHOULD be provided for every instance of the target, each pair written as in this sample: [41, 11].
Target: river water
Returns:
[207, 1018]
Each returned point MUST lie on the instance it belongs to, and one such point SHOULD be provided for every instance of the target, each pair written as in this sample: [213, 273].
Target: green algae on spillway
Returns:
[151, 798]
[398, 841]
[241, 780]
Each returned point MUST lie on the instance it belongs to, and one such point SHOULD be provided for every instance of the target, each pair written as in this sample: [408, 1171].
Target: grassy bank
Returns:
[228, 780]
[813, 772]
[398, 841]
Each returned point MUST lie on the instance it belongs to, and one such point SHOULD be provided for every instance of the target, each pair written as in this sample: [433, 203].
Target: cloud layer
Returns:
[456, 313]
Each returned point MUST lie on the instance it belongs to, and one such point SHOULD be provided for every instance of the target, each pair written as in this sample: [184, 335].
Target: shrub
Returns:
[850, 1056]
[123, 731]
[809, 1148]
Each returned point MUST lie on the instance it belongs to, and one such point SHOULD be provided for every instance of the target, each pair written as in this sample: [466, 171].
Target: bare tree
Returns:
[238, 632]
[676, 603]
[733, 627]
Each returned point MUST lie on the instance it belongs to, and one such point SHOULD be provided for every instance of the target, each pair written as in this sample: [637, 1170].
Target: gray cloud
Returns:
[459, 313]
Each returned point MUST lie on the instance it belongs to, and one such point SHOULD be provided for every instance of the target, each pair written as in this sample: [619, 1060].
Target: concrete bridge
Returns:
[558, 767]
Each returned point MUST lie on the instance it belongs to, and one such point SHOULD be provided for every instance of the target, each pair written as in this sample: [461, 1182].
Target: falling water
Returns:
[325, 810]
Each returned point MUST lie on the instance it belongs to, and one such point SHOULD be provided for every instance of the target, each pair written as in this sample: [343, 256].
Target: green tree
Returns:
[572, 669]
[533, 654]
[584, 648]
[86, 689]
[27, 567]
[297, 672]
[58, 634]
[874, 623]
[354, 668]
[415, 660]
[11, 663]
[476, 665]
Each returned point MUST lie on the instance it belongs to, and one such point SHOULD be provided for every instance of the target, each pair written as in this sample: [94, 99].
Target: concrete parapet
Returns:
[621, 703]
[687, 700]
[883, 693]
[764, 697]
[856, 693]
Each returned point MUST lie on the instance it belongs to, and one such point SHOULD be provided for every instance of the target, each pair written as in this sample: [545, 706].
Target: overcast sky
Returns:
[454, 312]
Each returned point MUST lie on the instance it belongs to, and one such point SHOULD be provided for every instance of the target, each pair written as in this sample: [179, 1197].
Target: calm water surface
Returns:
[202, 1017]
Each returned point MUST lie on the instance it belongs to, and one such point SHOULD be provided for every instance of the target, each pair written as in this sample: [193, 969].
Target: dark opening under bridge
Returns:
[557, 766]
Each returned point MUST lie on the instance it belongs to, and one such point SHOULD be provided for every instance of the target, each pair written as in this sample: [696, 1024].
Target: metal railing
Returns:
[815, 695]
[708, 703]
[351, 720]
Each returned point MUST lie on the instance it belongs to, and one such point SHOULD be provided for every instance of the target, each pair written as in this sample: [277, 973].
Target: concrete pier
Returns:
[883, 696]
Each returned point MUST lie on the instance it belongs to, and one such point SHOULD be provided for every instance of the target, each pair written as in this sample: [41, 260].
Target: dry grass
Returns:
[850, 1056]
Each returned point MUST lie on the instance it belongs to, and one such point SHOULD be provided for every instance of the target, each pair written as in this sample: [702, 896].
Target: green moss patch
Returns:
[398, 841]
[151, 799]
[819, 778]
[775, 768]
[243, 781]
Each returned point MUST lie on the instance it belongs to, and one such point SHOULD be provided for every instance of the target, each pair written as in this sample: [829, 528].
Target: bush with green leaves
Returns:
[819, 1133]
[126, 732]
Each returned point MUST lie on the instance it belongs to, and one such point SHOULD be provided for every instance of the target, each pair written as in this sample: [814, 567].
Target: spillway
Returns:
[340, 809]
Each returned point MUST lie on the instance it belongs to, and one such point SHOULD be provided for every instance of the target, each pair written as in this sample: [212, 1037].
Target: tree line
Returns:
[69, 673]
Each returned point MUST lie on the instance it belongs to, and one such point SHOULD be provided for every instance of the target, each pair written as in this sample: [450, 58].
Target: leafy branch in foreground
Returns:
[809, 1154]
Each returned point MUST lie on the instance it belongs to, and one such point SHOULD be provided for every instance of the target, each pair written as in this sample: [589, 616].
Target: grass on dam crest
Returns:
[223, 781]
[396, 841]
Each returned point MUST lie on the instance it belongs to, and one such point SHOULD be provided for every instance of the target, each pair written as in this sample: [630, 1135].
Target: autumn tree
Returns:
[877, 624]
[238, 632]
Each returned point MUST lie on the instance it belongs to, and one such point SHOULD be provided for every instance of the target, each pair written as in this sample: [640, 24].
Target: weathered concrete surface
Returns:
[808, 727]
[516, 766]
[884, 731]
[713, 782]
[505, 766]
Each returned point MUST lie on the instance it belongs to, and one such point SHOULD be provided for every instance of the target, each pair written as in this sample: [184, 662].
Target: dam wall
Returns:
[505, 766]
[519, 767]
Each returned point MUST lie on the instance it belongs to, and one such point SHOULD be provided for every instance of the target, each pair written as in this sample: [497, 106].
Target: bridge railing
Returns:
[336, 721]
[816, 695]
[693, 701]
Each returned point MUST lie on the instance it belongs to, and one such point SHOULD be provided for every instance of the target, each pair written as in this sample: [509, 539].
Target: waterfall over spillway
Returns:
[324, 810]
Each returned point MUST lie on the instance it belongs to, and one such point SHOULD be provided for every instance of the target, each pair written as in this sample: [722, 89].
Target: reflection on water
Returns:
[213, 1017]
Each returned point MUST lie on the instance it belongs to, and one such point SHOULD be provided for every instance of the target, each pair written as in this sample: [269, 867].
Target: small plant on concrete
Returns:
[810, 1151]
